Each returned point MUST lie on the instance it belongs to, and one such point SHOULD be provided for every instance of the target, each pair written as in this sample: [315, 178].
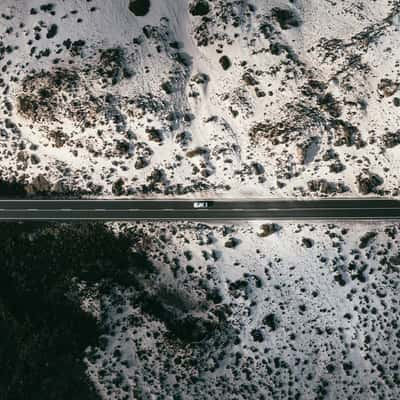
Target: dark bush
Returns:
[286, 18]
[12, 189]
[199, 8]
[140, 7]
[225, 62]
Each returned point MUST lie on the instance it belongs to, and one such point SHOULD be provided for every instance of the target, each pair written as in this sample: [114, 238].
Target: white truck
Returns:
[200, 204]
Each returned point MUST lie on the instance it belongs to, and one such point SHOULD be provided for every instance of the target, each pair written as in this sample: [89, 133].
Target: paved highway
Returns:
[134, 210]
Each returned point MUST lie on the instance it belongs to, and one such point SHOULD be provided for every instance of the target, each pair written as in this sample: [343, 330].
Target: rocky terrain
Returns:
[256, 311]
[205, 98]
[194, 311]
[200, 97]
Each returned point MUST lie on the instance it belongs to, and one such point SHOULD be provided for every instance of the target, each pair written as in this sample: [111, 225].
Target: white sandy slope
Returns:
[225, 109]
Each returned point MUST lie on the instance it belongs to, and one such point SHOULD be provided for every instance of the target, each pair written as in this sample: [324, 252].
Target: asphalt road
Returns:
[128, 210]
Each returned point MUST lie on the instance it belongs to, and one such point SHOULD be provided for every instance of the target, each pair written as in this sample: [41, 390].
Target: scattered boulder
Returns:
[39, 184]
[268, 229]
[347, 134]
[304, 150]
[325, 187]
[368, 182]
[59, 187]
[320, 185]
[387, 87]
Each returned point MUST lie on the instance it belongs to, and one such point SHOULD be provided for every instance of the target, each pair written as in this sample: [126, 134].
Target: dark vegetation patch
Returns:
[11, 189]
[183, 58]
[46, 272]
[44, 331]
[41, 93]
[368, 182]
[367, 239]
[139, 7]
[53, 30]
[199, 8]
[75, 47]
[286, 18]
[183, 324]
[299, 119]
[272, 321]
[47, 7]
[112, 66]
[225, 62]
[47, 96]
